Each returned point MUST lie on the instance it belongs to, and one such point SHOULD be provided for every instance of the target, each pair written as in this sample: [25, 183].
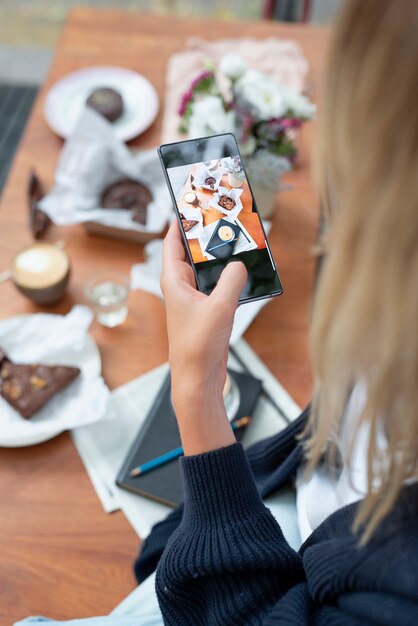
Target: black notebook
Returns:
[159, 434]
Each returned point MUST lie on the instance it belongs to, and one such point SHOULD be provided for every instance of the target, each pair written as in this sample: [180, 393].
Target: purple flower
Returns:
[185, 99]
[196, 86]
[290, 122]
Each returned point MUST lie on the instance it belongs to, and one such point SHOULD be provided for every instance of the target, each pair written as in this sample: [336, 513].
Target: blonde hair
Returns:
[366, 309]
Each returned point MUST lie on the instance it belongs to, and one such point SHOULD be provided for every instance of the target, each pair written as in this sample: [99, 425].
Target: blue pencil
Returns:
[176, 453]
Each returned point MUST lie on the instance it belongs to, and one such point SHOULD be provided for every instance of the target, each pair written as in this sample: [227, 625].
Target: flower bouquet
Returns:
[263, 115]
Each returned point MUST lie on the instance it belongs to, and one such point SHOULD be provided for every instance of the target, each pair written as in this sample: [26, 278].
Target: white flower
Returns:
[233, 66]
[264, 96]
[210, 118]
[298, 104]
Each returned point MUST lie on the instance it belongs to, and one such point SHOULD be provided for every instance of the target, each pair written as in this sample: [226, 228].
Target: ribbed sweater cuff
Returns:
[219, 487]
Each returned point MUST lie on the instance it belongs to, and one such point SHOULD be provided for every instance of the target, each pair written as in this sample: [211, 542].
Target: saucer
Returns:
[26, 338]
[66, 100]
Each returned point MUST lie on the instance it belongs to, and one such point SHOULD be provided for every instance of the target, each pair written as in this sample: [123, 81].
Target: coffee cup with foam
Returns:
[41, 272]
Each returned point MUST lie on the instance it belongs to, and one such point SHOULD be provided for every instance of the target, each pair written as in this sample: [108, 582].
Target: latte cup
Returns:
[226, 233]
[41, 272]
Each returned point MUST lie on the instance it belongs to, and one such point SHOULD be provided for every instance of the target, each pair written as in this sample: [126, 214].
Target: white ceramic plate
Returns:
[66, 100]
[83, 401]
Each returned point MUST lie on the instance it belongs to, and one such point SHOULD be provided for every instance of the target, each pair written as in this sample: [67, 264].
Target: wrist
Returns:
[194, 385]
[201, 417]
[196, 402]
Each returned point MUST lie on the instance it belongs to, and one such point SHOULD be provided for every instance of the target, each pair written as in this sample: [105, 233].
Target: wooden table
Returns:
[60, 554]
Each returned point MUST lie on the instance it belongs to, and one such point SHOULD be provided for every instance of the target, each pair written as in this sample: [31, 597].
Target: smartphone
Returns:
[218, 214]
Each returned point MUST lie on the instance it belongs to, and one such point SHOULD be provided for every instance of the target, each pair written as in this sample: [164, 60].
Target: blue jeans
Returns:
[141, 608]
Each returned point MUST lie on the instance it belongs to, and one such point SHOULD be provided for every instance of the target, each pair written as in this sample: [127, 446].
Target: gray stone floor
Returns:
[24, 64]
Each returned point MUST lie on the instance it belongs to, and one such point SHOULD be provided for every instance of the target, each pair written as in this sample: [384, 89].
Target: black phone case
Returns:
[252, 299]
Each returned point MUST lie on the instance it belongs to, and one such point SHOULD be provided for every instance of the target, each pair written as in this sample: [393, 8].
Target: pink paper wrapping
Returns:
[283, 60]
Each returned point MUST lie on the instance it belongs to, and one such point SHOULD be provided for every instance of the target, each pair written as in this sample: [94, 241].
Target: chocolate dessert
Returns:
[226, 202]
[187, 224]
[39, 221]
[27, 388]
[128, 194]
[210, 182]
[3, 357]
[106, 101]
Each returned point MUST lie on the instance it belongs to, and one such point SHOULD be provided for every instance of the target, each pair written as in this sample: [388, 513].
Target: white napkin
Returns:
[231, 193]
[146, 276]
[193, 214]
[202, 172]
[103, 447]
[91, 160]
[54, 340]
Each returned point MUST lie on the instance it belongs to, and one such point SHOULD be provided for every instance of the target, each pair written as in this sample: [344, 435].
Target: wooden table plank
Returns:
[60, 554]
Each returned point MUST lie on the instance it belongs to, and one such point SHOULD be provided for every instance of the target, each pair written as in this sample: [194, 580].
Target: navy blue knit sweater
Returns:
[227, 562]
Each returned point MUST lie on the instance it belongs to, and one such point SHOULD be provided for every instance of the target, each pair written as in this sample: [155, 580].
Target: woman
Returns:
[227, 562]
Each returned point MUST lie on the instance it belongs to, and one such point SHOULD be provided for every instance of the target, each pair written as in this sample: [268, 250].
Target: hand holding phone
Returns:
[199, 329]
[218, 215]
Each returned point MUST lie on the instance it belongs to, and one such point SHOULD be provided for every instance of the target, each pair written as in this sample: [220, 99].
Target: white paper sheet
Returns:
[103, 448]
[202, 172]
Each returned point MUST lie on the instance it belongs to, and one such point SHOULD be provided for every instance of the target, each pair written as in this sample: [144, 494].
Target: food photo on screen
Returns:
[216, 209]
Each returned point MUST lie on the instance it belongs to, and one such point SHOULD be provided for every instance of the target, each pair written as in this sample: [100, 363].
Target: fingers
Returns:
[231, 282]
[176, 272]
[173, 249]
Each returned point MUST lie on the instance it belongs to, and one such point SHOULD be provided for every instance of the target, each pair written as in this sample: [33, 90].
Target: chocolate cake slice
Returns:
[128, 194]
[3, 357]
[188, 224]
[226, 202]
[27, 388]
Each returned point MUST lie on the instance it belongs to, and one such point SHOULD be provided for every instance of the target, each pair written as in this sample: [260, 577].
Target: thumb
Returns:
[231, 282]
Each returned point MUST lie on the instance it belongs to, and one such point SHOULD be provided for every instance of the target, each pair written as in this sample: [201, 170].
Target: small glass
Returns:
[107, 293]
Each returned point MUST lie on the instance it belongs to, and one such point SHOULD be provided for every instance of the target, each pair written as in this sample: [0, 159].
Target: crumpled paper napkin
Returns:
[54, 340]
[91, 160]
[281, 59]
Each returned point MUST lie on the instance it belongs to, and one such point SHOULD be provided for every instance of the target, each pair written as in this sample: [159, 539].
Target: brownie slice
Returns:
[226, 202]
[188, 224]
[128, 194]
[27, 388]
[39, 222]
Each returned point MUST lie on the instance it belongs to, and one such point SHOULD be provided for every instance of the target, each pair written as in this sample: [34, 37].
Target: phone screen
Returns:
[218, 214]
